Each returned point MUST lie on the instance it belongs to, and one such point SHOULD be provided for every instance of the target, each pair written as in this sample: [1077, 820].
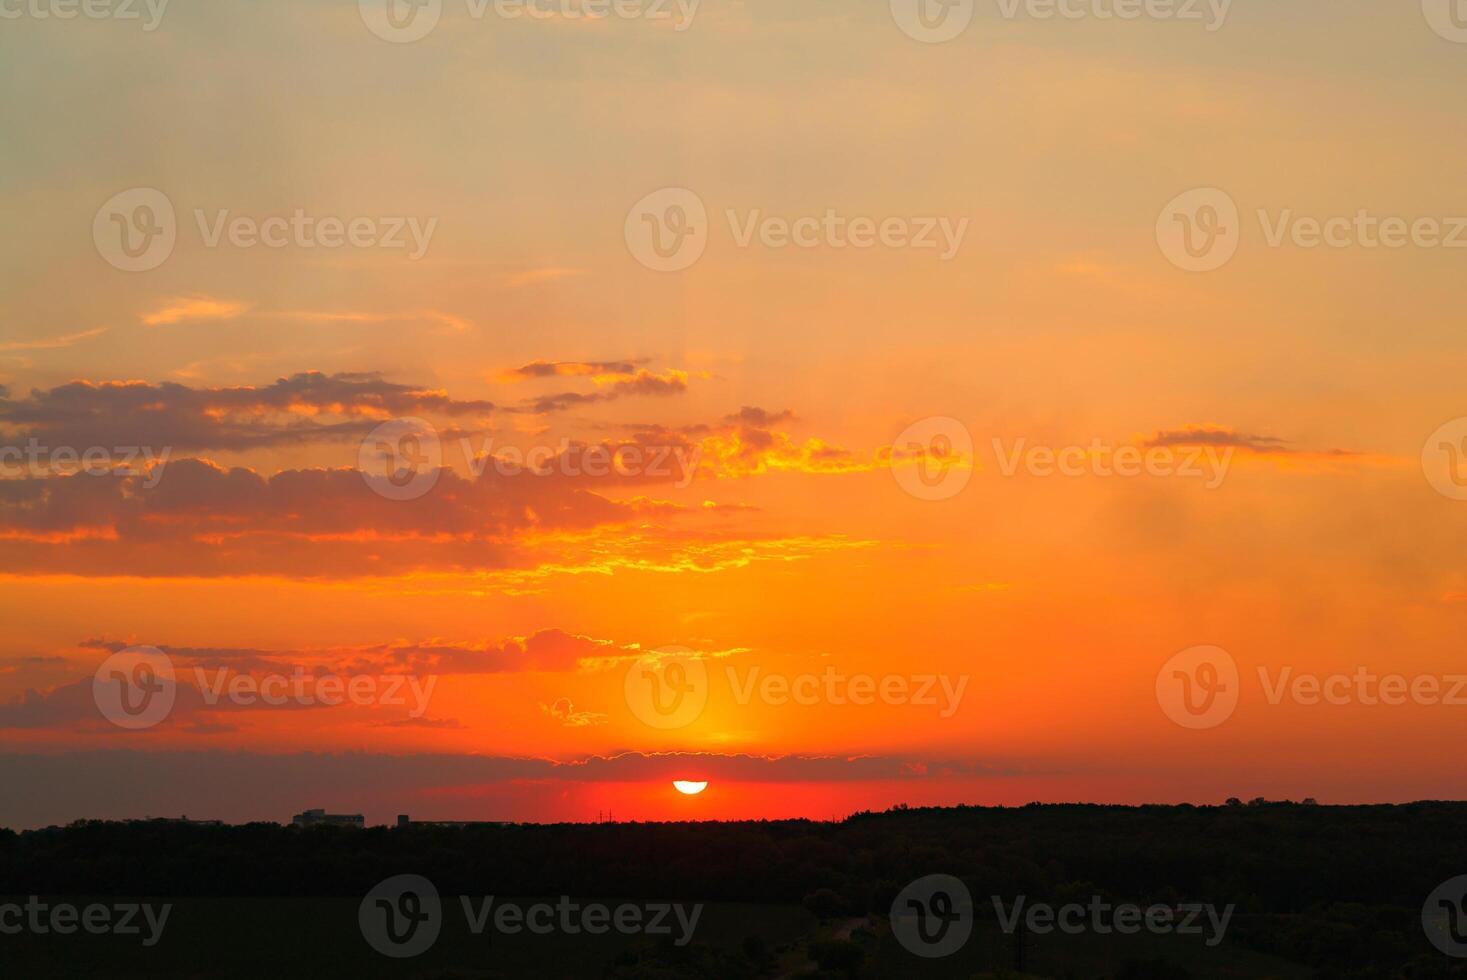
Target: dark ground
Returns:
[1330, 892]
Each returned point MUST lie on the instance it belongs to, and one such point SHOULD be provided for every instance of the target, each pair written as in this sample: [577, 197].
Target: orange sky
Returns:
[833, 465]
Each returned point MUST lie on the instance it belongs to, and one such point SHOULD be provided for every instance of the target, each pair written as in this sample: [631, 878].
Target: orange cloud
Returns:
[194, 308]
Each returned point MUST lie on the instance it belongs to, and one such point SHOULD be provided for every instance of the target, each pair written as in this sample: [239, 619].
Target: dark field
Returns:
[1302, 891]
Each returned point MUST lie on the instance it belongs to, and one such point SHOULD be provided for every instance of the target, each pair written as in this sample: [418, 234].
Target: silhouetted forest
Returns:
[1336, 892]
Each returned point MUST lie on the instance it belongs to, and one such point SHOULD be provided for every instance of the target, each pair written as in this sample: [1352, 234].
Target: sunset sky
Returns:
[781, 386]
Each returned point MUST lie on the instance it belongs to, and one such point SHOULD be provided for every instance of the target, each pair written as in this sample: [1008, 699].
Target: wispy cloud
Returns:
[188, 308]
[571, 369]
[548, 274]
[53, 343]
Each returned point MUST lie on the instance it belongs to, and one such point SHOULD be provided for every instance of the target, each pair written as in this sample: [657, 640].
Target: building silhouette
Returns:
[315, 818]
[404, 821]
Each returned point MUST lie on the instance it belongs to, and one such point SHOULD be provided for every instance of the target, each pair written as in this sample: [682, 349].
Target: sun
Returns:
[688, 787]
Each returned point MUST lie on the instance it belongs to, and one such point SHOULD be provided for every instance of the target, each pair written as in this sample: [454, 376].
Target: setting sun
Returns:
[689, 788]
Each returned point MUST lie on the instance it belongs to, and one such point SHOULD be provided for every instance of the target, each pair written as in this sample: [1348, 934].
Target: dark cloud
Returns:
[642, 382]
[241, 786]
[202, 519]
[570, 369]
[303, 408]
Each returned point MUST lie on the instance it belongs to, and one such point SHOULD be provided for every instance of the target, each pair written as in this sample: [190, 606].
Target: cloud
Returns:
[192, 517]
[194, 308]
[548, 650]
[1224, 437]
[52, 343]
[640, 382]
[457, 324]
[436, 724]
[546, 274]
[746, 443]
[72, 707]
[304, 407]
[55, 788]
[568, 369]
[565, 713]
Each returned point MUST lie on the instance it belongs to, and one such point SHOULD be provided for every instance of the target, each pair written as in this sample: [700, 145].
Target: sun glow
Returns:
[689, 788]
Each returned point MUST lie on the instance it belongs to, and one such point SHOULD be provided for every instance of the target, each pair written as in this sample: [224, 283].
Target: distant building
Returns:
[315, 818]
[404, 821]
[183, 819]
